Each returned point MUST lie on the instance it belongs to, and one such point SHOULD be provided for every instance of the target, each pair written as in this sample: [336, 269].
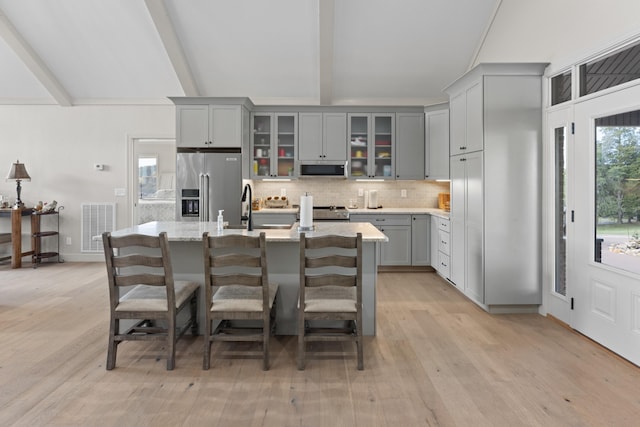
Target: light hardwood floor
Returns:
[437, 360]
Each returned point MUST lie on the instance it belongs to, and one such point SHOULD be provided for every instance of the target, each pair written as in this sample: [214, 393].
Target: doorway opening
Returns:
[153, 183]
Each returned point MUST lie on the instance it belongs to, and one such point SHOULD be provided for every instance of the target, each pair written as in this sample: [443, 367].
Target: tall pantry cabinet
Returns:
[495, 167]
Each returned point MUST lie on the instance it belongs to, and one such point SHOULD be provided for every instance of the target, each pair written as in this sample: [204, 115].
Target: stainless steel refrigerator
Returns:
[207, 181]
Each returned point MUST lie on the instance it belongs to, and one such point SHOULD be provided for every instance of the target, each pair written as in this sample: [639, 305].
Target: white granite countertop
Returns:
[192, 231]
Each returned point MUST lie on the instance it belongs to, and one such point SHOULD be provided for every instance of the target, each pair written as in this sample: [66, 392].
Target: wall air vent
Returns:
[96, 219]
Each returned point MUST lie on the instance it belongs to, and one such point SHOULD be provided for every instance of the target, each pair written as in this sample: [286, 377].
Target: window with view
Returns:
[147, 176]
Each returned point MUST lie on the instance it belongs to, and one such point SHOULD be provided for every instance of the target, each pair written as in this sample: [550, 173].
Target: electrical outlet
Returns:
[283, 192]
[360, 192]
[403, 193]
[120, 192]
[68, 241]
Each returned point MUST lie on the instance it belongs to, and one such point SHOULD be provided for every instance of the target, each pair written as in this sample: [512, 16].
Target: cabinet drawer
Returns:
[382, 220]
[443, 242]
[443, 264]
[443, 224]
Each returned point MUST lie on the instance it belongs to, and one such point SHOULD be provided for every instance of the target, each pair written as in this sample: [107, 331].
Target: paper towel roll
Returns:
[373, 199]
[306, 212]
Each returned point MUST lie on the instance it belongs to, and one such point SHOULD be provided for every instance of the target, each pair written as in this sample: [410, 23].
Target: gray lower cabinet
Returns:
[440, 243]
[420, 242]
[397, 251]
[467, 237]
[397, 228]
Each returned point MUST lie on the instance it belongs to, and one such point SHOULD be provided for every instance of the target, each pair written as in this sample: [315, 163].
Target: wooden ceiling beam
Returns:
[33, 61]
[172, 46]
[326, 35]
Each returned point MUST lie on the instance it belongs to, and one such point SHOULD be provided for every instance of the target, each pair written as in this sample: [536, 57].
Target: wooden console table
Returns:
[16, 233]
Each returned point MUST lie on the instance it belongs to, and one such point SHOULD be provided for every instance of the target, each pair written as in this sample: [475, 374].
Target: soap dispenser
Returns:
[220, 220]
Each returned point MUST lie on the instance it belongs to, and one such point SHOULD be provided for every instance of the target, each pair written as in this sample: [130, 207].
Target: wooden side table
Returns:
[16, 233]
[37, 234]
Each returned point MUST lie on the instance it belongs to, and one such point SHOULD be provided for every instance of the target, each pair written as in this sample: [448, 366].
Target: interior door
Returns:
[606, 294]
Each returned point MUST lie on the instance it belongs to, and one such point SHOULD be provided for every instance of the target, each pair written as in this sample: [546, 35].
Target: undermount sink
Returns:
[260, 227]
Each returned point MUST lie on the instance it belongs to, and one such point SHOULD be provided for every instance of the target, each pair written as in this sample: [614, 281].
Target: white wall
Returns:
[60, 145]
[557, 31]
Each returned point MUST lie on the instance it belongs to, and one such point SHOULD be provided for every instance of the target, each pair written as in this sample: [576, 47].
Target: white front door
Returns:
[605, 279]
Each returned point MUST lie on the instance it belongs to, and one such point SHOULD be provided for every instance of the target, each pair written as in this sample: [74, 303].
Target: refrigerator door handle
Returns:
[206, 197]
[201, 198]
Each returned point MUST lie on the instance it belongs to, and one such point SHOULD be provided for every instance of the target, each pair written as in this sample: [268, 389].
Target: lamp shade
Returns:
[18, 171]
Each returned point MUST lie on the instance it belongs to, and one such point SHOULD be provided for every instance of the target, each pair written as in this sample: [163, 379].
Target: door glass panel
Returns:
[383, 148]
[359, 145]
[261, 145]
[560, 162]
[286, 145]
[617, 192]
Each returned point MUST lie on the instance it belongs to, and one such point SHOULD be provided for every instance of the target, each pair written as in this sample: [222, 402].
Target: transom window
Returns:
[561, 88]
[612, 70]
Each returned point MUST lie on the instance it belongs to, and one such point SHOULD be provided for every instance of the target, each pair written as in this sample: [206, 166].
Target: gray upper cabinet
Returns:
[466, 113]
[410, 146]
[322, 136]
[437, 144]
[209, 126]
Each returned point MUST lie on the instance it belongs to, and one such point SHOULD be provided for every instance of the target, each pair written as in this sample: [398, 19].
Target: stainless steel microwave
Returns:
[328, 170]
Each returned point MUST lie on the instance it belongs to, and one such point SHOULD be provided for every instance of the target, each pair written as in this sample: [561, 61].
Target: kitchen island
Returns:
[283, 253]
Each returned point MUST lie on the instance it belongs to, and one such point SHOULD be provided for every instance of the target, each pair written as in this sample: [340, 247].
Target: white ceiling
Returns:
[303, 52]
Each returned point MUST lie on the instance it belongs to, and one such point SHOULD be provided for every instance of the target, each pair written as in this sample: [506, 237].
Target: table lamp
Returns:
[18, 173]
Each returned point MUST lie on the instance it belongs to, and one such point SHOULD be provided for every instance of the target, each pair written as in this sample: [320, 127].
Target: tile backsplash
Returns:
[419, 194]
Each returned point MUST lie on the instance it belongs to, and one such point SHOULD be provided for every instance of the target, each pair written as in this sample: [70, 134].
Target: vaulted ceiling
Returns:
[277, 52]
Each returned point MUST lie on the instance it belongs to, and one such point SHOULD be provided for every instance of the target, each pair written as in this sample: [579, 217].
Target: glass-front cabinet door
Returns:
[274, 145]
[384, 133]
[359, 145]
[371, 139]
[285, 153]
[261, 145]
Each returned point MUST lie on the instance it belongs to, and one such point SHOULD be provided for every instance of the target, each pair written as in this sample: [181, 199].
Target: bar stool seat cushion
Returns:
[154, 298]
[330, 299]
[241, 298]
